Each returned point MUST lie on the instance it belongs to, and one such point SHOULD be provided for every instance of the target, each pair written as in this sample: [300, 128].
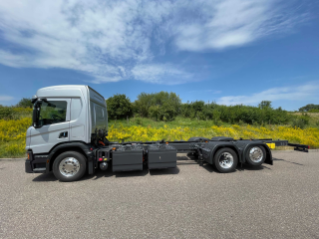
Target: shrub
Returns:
[216, 115]
[309, 108]
[138, 121]
[300, 121]
[6, 112]
[200, 115]
[159, 106]
[218, 122]
[265, 104]
[119, 107]
[25, 103]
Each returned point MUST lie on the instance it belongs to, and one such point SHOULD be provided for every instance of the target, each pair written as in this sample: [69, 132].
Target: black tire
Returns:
[258, 162]
[69, 154]
[220, 156]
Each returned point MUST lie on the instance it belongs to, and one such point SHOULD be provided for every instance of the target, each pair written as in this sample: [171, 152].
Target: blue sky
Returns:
[227, 51]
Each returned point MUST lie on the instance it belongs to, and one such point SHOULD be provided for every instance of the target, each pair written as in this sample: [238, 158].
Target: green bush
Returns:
[265, 105]
[218, 122]
[309, 108]
[300, 121]
[200, 115]
[142, 104]
[119, 107]
[138, 121]
[25, 103]
[6, 112]
[264, 114]
[161, 106]
[154, 112]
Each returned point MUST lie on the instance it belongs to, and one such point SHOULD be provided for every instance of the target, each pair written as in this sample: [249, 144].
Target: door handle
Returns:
[63, 134]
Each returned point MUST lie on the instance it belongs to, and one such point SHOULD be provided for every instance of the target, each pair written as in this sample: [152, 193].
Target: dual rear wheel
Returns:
[226, 159]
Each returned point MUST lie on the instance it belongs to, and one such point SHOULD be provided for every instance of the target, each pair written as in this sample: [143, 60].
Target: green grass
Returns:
[314, 118]
[178, 122]
[13, 149]
[191, 123]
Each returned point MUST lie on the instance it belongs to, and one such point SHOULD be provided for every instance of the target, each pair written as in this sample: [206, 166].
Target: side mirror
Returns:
[35, 122]
[34, 117]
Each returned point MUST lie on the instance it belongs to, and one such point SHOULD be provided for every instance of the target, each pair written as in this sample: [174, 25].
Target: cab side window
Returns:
[52, 112]
[100, 115]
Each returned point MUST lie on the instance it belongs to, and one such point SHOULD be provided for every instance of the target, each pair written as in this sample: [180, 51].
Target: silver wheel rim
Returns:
[256, 154]
[226, 160]
[69, 166]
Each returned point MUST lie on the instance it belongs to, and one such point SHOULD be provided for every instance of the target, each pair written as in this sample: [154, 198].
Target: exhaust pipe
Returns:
[103, 166]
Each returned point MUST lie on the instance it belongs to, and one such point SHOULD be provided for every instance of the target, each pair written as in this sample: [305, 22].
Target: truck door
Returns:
[54, 125]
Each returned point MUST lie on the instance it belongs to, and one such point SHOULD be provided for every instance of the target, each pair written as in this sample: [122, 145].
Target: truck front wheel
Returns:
[69, 166]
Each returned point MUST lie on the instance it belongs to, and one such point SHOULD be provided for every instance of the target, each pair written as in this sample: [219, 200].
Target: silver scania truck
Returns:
[69, 130]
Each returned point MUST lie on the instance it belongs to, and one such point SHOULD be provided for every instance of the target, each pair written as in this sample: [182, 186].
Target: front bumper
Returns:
[33, 167]
[28, 168]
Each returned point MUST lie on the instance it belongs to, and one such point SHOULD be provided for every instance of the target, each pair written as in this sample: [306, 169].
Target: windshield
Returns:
[50, 112]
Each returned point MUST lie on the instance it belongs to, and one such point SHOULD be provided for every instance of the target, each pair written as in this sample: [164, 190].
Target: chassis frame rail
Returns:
[297, 147]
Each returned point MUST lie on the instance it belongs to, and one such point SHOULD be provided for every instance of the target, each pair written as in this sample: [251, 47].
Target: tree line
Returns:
[309, 108]
[164, 106]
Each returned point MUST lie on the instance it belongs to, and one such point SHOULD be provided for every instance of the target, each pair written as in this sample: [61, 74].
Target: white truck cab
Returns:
[63, 114]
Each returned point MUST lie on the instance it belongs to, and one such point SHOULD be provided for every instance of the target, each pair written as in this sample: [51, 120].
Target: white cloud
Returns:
[5, 98]
[107, 39]
[229, 23]
[308, 91]
[214, 91]
[161, 74]
[9, 59]
[207, 91]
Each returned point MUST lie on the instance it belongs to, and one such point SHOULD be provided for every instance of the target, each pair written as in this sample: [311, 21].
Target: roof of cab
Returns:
[65, 91]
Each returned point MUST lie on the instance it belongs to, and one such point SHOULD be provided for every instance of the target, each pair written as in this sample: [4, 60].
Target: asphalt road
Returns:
[279, 201]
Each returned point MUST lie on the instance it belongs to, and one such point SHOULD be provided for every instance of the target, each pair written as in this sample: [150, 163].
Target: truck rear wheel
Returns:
[69, 166]
[226, 160]
[256, 155]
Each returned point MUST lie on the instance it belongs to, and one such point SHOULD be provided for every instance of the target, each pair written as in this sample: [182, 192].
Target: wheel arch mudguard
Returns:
[80, 147]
